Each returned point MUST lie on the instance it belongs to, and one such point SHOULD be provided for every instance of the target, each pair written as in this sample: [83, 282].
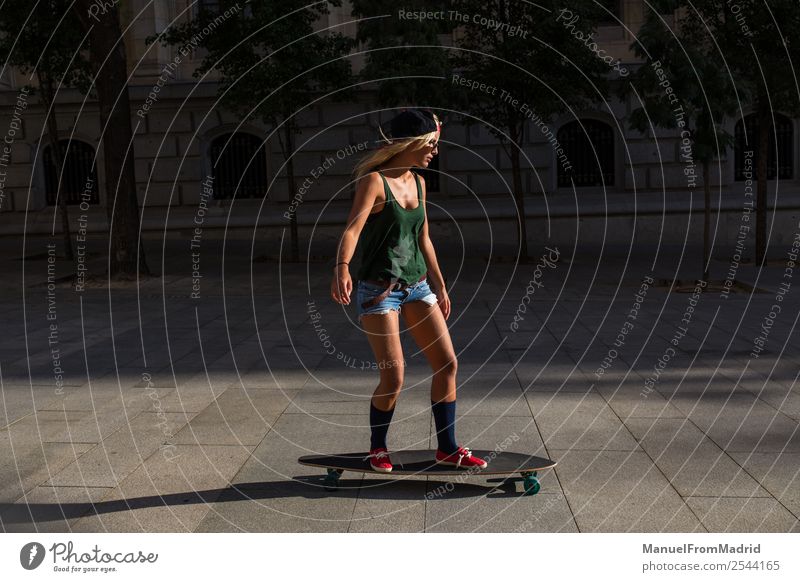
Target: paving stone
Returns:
[619, 491]
[395, 505]
[485, 372]
[24, 463]
[237, 416]
[167, 493]
[192, 397]
[93, 416]
[499, 511]
[106, 419]
[101, 396]
[740, 514]
[316, 399]
[579, 421]
[120, 453]
[19, 400]
[271, 379]
[781, 395]
[741, 423]
[47, 426]
[778, 473]
[628, 396]
[492, 402]
[693, 463]
[570, 380]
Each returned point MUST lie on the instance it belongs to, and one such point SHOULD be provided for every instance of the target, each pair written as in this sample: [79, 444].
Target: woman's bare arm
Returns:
[364, 200]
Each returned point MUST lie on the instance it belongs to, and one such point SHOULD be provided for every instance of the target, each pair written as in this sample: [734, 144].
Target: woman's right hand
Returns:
[341, 285]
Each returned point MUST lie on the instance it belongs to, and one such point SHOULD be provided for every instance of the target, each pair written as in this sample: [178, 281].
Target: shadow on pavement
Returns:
[309, 487]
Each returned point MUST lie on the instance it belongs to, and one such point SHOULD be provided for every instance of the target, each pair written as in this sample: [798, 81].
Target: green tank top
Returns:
[390, 241]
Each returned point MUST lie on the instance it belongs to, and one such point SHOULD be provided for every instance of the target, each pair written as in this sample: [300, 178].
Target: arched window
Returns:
[239, 166]
[584, 146]
[746, 138]
[79, 173]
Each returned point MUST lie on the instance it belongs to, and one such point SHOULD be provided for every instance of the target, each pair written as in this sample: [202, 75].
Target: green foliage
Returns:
[406, 52]
[552, 68]
[720, 58]
[45, 39]
[270, 60]
[756, 40]
[540, 63]
[681, 78]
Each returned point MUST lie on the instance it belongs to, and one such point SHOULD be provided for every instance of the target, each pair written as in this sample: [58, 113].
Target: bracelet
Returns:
[341, 263]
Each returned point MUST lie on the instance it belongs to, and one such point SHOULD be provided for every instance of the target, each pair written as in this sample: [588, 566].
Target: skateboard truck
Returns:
[530, 482]
[331, 481]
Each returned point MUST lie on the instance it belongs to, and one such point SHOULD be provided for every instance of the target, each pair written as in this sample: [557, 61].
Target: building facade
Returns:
[183, 141]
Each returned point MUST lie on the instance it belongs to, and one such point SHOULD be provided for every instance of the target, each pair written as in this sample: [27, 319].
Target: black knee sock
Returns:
[444, 415]
[379, 423]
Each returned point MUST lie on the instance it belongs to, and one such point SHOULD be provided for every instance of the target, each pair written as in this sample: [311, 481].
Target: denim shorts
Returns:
[419, 291]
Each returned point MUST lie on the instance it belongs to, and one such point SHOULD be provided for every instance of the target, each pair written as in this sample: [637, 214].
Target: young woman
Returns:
[388, 217]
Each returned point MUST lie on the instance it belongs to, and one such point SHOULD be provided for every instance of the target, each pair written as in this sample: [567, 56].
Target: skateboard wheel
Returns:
[531, 483]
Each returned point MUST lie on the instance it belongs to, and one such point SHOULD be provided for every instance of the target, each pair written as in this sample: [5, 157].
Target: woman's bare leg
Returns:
[383, 333]
[429, 329]
[427, 326]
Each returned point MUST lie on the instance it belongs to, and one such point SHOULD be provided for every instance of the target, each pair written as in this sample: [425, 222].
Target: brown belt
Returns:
[391, 285]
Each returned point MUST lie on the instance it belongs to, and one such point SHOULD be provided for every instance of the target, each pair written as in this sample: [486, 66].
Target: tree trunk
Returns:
[706, 221]
[48, 100]
[764, 123]
[522, 229]
[295, 251]
[107, 53]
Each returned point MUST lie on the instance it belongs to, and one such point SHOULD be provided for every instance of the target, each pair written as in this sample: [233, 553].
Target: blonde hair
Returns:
[390, 149]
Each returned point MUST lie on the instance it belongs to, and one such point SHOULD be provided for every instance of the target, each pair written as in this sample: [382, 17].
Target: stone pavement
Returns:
[181, 414]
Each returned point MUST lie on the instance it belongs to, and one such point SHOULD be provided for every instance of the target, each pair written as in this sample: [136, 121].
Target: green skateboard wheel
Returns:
[531, 483]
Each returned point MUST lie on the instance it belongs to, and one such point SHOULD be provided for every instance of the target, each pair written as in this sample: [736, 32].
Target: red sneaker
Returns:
[461, 458]
[379, 460]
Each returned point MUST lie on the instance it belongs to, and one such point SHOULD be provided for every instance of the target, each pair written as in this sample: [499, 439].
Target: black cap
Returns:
[410, 123]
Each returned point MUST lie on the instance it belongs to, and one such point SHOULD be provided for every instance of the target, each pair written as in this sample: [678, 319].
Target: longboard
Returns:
[422, 462]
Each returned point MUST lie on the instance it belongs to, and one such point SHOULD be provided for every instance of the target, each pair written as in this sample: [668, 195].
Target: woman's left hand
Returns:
[444, 302]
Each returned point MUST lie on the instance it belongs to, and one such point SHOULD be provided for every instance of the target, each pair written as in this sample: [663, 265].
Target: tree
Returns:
[109, 63]
[539, 58]
[404, 56]
[48, 48]
[683, 86]
[271, 64]
[402, 51]
[758, 39]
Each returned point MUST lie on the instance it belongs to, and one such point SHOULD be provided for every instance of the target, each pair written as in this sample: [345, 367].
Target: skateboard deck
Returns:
[421, 462]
